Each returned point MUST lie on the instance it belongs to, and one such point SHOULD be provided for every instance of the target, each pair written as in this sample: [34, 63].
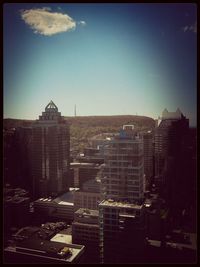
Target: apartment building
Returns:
[123, 170]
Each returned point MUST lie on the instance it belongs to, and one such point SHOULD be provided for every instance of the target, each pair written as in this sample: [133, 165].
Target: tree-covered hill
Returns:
[84, 127]
[87, 126]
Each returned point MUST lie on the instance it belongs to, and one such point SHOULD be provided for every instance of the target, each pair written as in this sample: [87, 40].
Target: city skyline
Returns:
[108, 59]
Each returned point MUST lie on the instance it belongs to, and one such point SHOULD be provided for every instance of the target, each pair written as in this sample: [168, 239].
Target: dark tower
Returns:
[50, 156]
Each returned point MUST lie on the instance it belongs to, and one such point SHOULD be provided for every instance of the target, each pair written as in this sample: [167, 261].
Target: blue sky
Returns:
[108, 59]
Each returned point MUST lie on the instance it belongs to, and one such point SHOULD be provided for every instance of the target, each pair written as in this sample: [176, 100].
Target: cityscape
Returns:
[99, 133]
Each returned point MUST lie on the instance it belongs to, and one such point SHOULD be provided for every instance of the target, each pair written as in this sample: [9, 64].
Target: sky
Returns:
[107, 59]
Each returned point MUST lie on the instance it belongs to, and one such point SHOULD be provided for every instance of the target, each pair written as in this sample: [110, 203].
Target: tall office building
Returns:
[50, 153]
[122, 225]
[173, 165]
[169, 136]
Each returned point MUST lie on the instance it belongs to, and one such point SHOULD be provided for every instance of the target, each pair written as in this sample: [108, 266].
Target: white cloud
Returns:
[192, 28]
[82, 22]
[46, 22]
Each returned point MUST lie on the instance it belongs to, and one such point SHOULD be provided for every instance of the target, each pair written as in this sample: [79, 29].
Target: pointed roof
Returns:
[171, 115]
[51, 106]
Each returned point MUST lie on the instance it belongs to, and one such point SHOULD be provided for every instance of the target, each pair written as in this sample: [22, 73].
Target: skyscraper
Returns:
[122, 226]
[169, 135]
[50, 153]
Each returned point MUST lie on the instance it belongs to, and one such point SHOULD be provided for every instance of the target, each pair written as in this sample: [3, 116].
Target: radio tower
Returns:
[75, 110]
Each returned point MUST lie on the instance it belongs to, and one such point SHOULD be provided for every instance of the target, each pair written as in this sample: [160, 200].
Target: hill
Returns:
[87, 126]
[83, 128]
[113, 121]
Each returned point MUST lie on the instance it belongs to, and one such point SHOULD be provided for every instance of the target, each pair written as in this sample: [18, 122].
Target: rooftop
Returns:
[46, 231]
[51, 106]
[171, 115]
[119, 204]
[82, 164]
[49, 249]
[16, 199]
[65, 199]
[8, 191]
[87, 212]
[62, 238]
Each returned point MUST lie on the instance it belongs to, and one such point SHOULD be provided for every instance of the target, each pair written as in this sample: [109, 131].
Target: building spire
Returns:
[75, 110]
[51, 106]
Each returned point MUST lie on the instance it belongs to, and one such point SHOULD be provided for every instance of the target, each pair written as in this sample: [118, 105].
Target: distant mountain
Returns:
[84, 127]
[111, 121]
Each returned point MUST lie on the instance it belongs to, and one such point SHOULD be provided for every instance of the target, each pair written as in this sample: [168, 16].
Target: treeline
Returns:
[87, 126]
[14, 123]
[111, 121]
[83, 128]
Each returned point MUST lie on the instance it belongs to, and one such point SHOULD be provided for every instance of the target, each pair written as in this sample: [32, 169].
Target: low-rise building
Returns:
[45, 251]
[61, 207]
[48, 243]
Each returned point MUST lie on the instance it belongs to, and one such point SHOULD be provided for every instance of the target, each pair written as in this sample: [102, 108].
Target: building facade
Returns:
[82, 172]
[89, 196]
[169, 136]
[60, 208]
[122, 232]
[121, 213]
[123, 170]
[85, 231]
[148, 140]
[50, 158]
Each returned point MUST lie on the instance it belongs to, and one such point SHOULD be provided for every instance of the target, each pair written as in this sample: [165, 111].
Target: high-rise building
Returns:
[173, 166]
[122, 231]
[122, 225]
[123, 171]
[50, 158]
[169, 135]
